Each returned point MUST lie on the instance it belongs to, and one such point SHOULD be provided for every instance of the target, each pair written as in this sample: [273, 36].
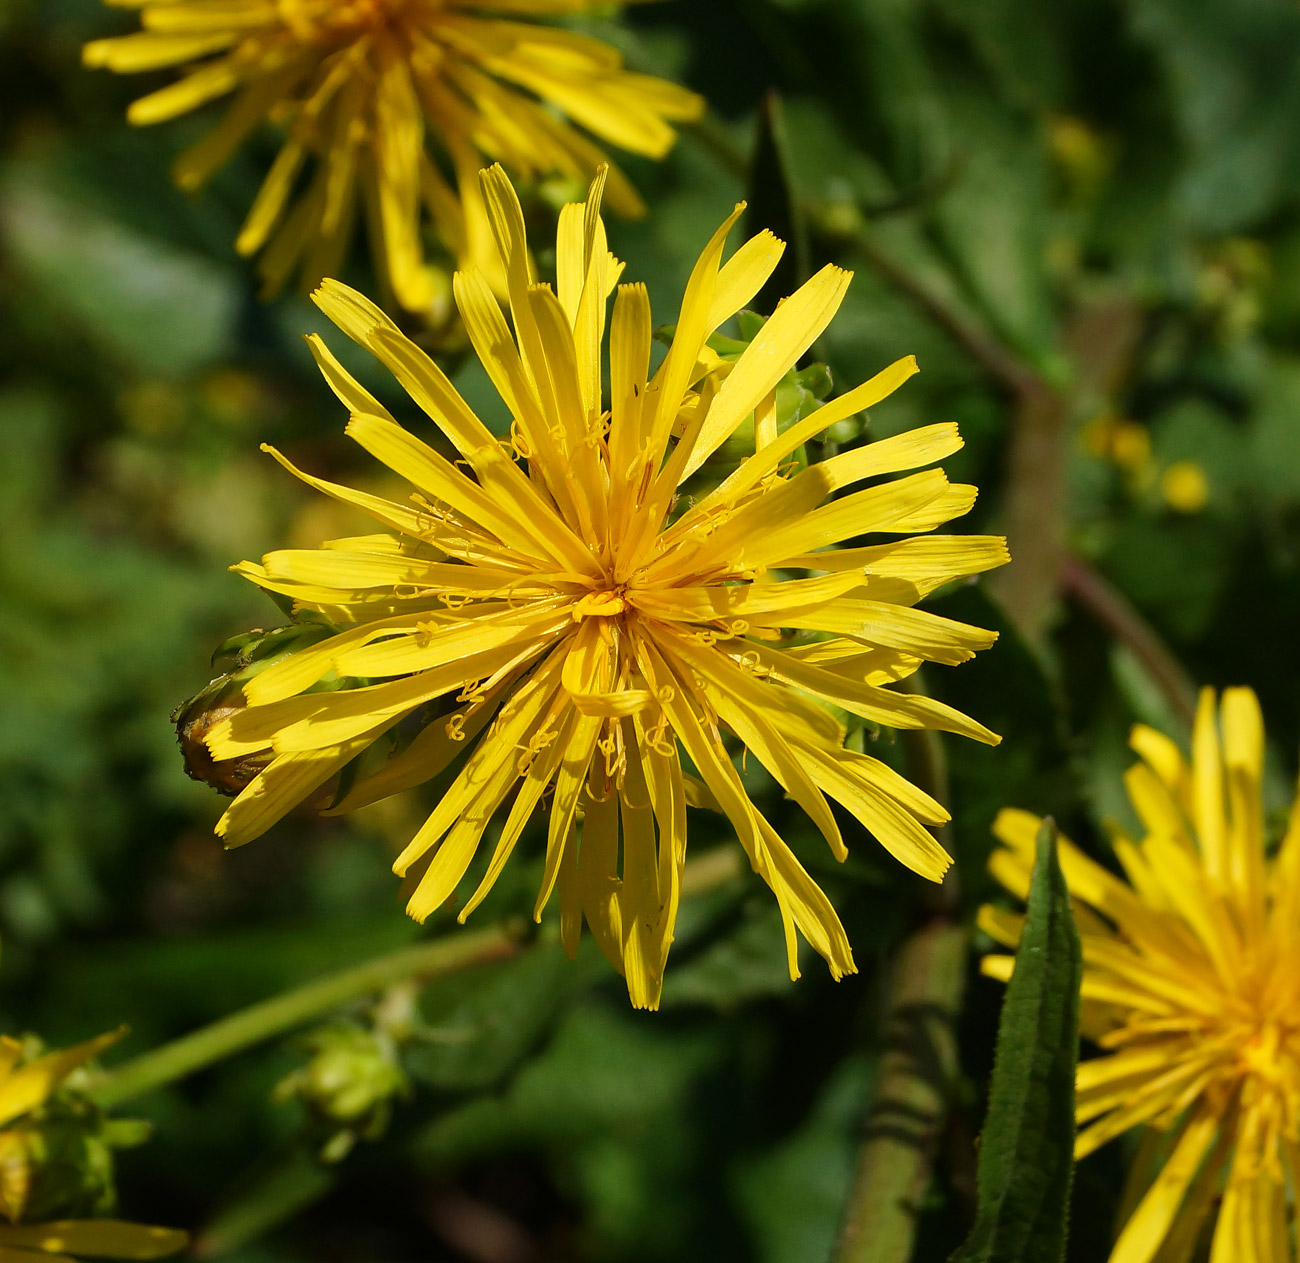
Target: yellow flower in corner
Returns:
[585, 623]
[24, 1088]
[1191, 988]
[387, 106]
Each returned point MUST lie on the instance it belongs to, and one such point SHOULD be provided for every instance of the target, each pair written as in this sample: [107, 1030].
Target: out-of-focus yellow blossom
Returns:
[24, 1089]
[1185, 487]
[1080, 152]
[1124, 443]
[1191, 987]
[1130, 447]
[388, 107]
[1231, 284]
[583, 623]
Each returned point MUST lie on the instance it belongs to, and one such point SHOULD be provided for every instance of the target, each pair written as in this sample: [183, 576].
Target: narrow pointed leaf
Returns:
[1026, 1148]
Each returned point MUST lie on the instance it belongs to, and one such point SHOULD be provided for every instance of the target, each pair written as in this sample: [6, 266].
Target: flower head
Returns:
[583, 624]
[387, 106]
[1191, 988]
[26, 1087]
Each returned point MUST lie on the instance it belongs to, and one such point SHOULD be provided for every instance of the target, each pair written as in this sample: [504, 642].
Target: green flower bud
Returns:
[348, 1085]
[57, 1163]
[238, 659]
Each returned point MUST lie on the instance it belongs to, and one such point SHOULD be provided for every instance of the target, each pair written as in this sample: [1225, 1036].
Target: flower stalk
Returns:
[283, 1013]
[917, 1071]
[920, 1061]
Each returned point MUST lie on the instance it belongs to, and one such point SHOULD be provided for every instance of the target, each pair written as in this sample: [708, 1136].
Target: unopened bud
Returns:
[58, 1163]
[238, 659]
[348, 1084]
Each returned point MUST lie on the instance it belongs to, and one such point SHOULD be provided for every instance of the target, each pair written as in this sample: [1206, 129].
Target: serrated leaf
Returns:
[1026, 1159]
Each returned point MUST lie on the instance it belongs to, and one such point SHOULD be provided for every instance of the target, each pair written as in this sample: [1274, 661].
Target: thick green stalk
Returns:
[914, 1090]
[293, 1008]
[919, 1064]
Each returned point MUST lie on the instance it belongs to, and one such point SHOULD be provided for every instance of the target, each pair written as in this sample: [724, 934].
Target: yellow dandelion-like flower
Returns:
[23, 1089]
[389, 105]
[586, 624]
[1191, 986]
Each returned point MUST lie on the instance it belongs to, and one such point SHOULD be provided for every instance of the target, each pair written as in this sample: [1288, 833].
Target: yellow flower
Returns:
[24, 1088]
[1185, 487]
[1192, 988]
[1126, 443]
[363, 89]
[584, 622]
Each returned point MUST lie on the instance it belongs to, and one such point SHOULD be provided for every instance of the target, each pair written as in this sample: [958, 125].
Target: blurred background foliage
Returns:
[1083, 218]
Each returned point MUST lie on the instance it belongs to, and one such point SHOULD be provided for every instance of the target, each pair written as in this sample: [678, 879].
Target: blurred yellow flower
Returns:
[1192, 989]
[590, 622]
[1130, 446]
[23, 1089]
[1082, 154]
[388, 105]
[1112, 437]
[1185, 487]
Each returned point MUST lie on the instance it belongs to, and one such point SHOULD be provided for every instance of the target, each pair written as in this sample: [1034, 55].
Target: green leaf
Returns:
[1026, 1160]
[792, 1193]
[269, 1193]
[774, 205]
[476, 1030]
[122, 288]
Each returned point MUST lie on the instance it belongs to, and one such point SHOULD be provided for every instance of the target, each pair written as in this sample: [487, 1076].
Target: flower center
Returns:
[312, 19]
[608, 604]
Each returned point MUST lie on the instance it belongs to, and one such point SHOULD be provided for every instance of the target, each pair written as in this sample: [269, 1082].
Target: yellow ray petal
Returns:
[31, 1085]
[1146, 1230]
[692, 328]
[744, 274]
[101, 1238]
[431, 753]
[883, 508]
[536, 781]
[879, 705]
[350, 392]
[927, 562]
[437, 647]
[768, 460]
[287, 781]
[1207, 788]
[408, 521]
[629, 360]
[130, 54]
[492, 767]
[570, 777]
[748, 708]
[793, 328]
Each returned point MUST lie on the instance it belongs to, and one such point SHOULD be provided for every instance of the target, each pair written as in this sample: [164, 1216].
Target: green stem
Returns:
[914, 1089]
[1000, 364]
[1109, 607]
[284, 1012]
[919, 1065]
[1034, 510]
